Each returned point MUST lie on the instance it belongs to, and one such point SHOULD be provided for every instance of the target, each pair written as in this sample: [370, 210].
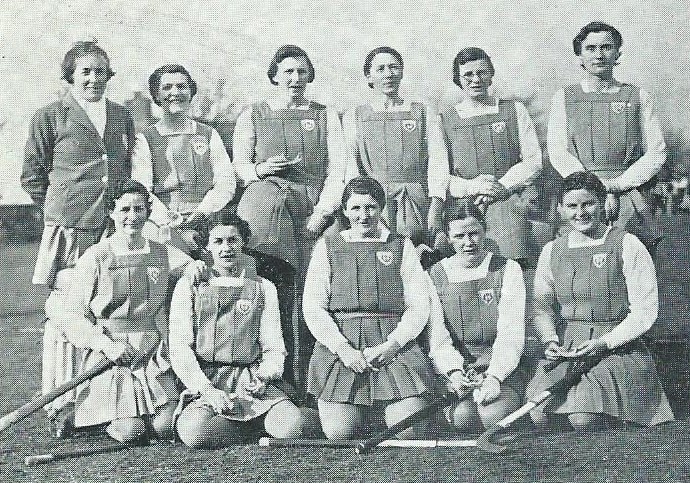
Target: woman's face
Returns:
[467, 237]
[385, 74]
[174, 92]
[475, 78]
[582, 210]
[599, 54]
[364, 213]
[293, 75]
[91, 74]
[225, 245]
[129, 214]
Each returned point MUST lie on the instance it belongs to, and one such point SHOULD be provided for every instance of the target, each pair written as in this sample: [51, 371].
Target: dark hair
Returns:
[81, 49]
[468, 54]
[582, 180]
[459, 209]
[155, 79]
[223, 218]
[283, 53]
[364, 185]
[123, 187]
[380, 50]
[596, 27]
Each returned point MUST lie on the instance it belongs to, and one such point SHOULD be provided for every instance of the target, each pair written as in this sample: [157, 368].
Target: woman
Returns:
[289, 153]
[120, 287]
[492, 150]
[227, 348]
[78, 147]
[365, 302]
[182, 162]
[477, 323]
[388, 138]
[595, 296]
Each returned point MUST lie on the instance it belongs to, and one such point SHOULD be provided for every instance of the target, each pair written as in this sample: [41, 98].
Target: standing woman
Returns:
[595, 296]
[289, 153]
[78, 147]
[120, 286]
[182, 162]
[388, 138]
[366, 301]
[227, 347]
[492, 151]
[477, 322]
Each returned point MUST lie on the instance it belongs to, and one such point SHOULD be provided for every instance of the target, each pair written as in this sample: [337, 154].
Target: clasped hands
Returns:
[371, 358]
[486, 189]
[224, 403]
[590, 348]
[275, 164]
[485, 388]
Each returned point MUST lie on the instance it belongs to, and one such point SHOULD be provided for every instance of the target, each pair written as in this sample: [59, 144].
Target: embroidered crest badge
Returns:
[498, 127]
[385, 257]
[308, 124]
[199, 144]
[154, 274]
[599, 259]
[618, 107]
[486, 296]
[409, 125]
[243, 306]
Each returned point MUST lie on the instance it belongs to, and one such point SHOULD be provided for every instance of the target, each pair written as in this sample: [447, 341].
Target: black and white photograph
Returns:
[353, 241]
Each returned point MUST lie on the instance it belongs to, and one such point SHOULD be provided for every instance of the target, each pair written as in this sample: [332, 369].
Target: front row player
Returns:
[477, 322]
[365, 302]
[595, 293]
[120, 286]
[226, 345]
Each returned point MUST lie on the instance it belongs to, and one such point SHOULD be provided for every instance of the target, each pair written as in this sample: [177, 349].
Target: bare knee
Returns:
[493, 412]
[284, 420]
[200, 428]
[464, 416]
[399, 410]
[587, 421]
[162, 421]
[339, 420]
[126, 430]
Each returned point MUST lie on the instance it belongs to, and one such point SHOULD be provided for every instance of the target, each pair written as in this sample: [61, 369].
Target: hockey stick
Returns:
[349, 443]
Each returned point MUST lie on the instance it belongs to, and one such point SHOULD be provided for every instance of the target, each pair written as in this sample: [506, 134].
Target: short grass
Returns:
[621, 455]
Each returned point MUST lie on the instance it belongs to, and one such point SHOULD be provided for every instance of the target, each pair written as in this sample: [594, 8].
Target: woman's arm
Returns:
[224, 179]
[524, 172]
[510, 331]
[38, 155]
[544, 297]
[557, 139]
[271, 336]
[243, 143]
[441, 350]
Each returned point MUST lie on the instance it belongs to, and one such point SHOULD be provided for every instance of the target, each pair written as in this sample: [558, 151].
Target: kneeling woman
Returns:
[227, 347]
[365, 302]
[120, 288]
[477, 322]
[595, 295]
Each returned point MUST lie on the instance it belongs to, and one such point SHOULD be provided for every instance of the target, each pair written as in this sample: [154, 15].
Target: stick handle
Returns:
[33, 406]
[420, 415]
[62, 455]
[38, 459]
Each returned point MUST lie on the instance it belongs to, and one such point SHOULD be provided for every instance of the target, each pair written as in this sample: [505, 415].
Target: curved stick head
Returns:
[485, 443]
[362, 448]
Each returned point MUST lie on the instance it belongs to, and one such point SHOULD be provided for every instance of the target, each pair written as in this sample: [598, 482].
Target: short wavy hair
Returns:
[468, 54]
[123, 187]
[596, 27]
[364, 185]
[380, 50]
[223, 217]
[460, 209]
[283, 53]
[582, 180]
[155, 79]
[81, 48]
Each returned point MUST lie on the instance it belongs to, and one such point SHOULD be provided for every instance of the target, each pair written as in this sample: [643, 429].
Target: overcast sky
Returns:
[529, 41]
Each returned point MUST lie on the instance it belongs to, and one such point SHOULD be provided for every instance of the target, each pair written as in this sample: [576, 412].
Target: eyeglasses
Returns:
[482, 74]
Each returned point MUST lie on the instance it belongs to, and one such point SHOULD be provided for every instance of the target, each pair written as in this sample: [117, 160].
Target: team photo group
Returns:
[331, 274]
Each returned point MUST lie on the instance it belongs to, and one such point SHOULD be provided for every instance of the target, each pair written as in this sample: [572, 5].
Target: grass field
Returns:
[621, 455]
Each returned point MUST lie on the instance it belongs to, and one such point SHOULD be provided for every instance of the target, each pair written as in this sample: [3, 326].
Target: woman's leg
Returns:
[465, 417]
[126, 430]
[399, 410]
[588, 421]
[341, 420]
[507, 402]
[284, 420]
[161, 422]
[199, 427]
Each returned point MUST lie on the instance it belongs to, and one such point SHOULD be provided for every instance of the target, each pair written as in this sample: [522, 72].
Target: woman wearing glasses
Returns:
[493, 152]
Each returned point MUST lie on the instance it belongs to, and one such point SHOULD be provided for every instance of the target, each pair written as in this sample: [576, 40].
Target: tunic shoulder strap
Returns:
[506, 108]
[204, 129]
[316, 106]
[438, 275]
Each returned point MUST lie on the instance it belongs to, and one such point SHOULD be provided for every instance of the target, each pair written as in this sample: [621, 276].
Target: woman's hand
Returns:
[197, 271]
[218, 399]
[488, 391]
[612, 207]
[121, 353]
[317, 224]
[353, 359]
[382, 354]
[553, 351]
[275, 164]
[460, 384]
[592, 348]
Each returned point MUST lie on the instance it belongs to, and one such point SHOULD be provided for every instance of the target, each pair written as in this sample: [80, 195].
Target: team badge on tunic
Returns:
[243, 306]
[153, 273]
[308, 124]
[487, 296]
[618, 107]
[599, 259]
[498, 127]
[199, 144]
[385, 257]
[409, 125]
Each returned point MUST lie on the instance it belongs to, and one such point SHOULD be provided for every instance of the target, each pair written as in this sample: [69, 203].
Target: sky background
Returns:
[529, 42]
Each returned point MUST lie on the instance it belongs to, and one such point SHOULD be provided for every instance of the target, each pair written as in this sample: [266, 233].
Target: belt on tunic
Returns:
[357, 315]
[593, 323]
[217, 364]
[128, 325]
